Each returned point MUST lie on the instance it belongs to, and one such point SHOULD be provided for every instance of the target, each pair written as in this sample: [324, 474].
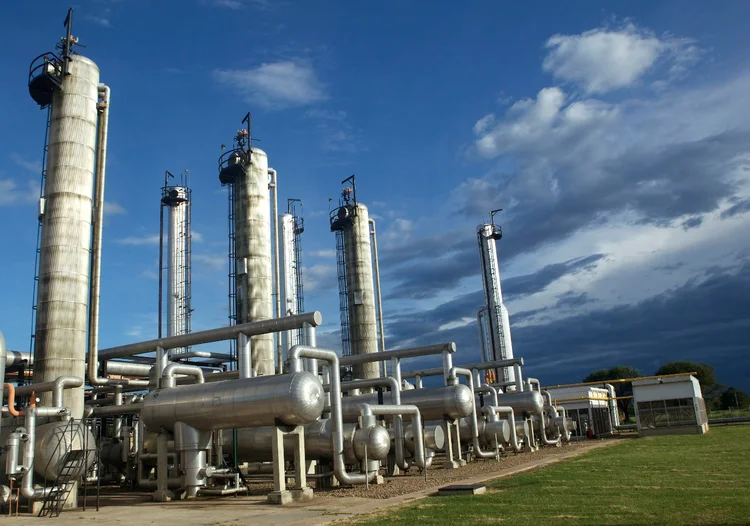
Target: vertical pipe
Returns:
[244, 356]
[3, 356]
[160, 306]
[311, 340]
[379, 299]
[103, 92]
[276, 279]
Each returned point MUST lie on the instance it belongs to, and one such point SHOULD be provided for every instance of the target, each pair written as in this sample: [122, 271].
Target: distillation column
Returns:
[66, 215]
[290, 231]
[177, 201]
[253, 256]
[499, 346]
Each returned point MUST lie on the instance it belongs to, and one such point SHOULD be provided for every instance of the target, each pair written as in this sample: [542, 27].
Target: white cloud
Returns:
[280, 84]
[197, 237]
[11, 194]
[320, 278]
[138, 241]
[602, 60]
[113, 209]
[102, 20]
[240, 4]
[336, 132]
[547, 122]
[32, 166]
[149, 274]
[212, 261]
[323, 253]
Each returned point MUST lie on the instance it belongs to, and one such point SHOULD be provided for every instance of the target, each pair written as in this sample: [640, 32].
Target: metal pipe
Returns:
[276, 279]
[378, 297]
[27, 487]
[416, 423]
[566, 432]
[254, 328]
[3, 358]
[118, 421]
[613, 412]
[57, 387]
[504, 409]
[96, 246]
[398, 426]
[311, 339]
[547, 397]
[490, 390]
[412, 352]
[115, 410]
[244, 356]
[454, 373]
[482, 344]
[11, 400]
[169, 372]
[295, 365]
[531, 381]
[201, 354]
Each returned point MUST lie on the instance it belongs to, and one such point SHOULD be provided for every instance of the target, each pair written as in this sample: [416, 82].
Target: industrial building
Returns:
[159, 416]
[669, 406]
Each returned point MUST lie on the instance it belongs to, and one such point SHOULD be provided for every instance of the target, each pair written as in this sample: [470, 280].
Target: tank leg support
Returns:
[450, 462]
[301, 490]
[162, 493]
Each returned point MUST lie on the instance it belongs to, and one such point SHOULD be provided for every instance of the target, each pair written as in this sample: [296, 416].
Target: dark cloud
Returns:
[704, 320]
[573, 299]
[670, 267]
[538, 281]
[693, 222]
[740, 207]
[550, 204]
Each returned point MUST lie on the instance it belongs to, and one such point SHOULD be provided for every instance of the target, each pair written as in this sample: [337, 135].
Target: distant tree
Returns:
[711, 389]
[734, 399]
[704, 372]
[618, 372]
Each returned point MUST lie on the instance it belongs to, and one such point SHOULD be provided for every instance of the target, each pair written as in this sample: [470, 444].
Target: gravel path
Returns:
[436, 476]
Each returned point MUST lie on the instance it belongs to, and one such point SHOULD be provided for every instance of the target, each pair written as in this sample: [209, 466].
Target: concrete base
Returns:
[302, 494]
[163, 496]
[677, 430]
[451, 464]
[379, 479]
[280, 497]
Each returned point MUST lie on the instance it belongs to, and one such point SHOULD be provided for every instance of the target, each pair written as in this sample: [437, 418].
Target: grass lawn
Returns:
[692, 479]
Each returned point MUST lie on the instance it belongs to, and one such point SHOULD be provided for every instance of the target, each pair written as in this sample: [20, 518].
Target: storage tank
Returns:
[66, 215]
[499, 345]
[434, 403]
[352, 220]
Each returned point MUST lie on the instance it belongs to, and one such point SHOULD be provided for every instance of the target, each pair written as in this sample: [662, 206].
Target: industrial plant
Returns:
[269, 407]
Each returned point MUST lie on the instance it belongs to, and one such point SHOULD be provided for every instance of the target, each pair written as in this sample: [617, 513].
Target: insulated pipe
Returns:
[3, 358]
[168, 375]
[546, 441]
[489, 390]
[614, 413]
[566, 434]
[398, 426]
[244, 356]
[114, 410]
[504, 409]
[57, 387]
[276, 281]
[453, 374]
[547, 396]
[201, 354]
[11, 400]
[118, 421]
[295, 365]
[412, 352]
[416, 425]
[531, 381]
[311, 339]
[482, 344]
[96, 246]
[27, 487]
[255, 328]
[379, 299]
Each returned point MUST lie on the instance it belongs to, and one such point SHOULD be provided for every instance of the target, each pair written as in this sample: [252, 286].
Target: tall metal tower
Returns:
[176, 198]
[356, 288]
[292, 227]
[497, 332]
[244, 170]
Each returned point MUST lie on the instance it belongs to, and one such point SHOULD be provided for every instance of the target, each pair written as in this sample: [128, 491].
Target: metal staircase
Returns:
[72, 466]
[232, 275]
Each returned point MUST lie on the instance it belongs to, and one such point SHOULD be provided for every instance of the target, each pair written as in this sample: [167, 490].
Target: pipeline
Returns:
[3, 358]
[295, 365]
[378, 297]
[453, 374]
[396, 401]
[416, 424]
[277, 282]
[31, 413]
[56, 387]
[168, 374]
[504, 409]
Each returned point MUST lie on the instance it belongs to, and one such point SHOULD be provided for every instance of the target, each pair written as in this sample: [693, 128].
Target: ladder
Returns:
[37, 259]
[232, 269]
[346, 349]
[73, 465]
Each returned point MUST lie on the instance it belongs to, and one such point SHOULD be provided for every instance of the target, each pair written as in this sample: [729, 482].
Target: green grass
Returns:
[691, 479]
[728, 413]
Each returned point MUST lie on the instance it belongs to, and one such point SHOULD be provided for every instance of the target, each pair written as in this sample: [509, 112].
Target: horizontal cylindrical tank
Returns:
[434, 403]
[255, 445]
[291, 399]
[53, 440]
[529, 402]
[434, 437]
[486, 431]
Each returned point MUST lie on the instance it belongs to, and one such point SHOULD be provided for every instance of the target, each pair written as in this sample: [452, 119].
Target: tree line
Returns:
[716, 395]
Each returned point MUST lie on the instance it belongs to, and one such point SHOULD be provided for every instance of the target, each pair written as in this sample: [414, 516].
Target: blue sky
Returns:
[614, 137]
